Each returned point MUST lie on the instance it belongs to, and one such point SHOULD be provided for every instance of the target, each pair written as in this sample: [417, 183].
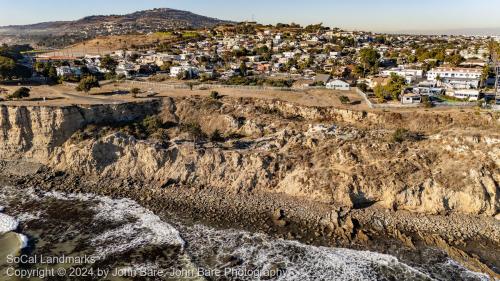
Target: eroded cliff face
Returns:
[32, 133]
[342, 157]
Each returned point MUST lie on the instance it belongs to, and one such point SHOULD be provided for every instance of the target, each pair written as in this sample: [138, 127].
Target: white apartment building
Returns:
[404, 72]
[455, 77]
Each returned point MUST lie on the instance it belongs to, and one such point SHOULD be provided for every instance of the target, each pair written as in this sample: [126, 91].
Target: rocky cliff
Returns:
[341, 157]
[32, 133]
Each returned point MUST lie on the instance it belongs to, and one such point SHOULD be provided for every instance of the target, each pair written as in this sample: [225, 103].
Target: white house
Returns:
[455, 77]
[410, 75]
[466, 94]
[126, 68]
[66, 71]
[411, 98]
[338, 85]
[191, 71]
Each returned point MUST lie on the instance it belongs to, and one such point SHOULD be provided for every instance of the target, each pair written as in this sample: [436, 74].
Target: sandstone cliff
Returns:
[342, 157]
[32, 133]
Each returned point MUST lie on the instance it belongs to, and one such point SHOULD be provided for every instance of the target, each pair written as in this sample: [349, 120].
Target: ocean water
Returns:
[99, 238]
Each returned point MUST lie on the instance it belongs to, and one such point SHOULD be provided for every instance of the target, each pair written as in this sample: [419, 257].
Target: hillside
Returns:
[61, 33]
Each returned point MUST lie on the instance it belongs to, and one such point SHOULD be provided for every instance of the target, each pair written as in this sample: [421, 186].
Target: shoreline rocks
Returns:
[290, 218]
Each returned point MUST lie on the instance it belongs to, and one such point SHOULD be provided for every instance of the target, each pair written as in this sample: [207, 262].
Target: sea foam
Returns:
[139, 227]
[7, 223]
[296, 261]
[136, 226]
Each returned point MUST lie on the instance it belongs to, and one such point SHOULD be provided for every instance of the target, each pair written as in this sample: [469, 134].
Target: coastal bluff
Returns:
[322, 154]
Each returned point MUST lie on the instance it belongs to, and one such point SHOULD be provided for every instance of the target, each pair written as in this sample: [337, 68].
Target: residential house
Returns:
[66, 71]
[191, 71]
[411, 98]
[338, 85]
[465, 94]
[456, 77]
[410, 75]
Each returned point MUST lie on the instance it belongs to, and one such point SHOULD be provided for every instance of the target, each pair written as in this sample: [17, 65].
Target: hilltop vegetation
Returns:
[63, 33]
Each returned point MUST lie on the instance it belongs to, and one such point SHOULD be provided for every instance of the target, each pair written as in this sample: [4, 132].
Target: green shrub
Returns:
[344, 100]
[20, 93]
[151, 124]
[400, 135]
[87, 83]
[427, 102]
[215, 95]
[194, 130]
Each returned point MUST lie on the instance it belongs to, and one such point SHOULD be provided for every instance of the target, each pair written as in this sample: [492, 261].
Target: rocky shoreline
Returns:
[466, 239]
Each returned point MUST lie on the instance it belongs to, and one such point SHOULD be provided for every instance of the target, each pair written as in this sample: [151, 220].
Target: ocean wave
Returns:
[127, 224]
[139, 226]
[10, 224]
[243, 254]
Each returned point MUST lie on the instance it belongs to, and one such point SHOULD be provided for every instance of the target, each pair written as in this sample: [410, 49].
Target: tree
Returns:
[109, 63]
[379, 93]
[87, 83]
[21, 71]
[52, 73]
[166, 66]
[7, 66]
[395, 86]
[344, 100]
[456, 59]
[20, 93]
[243, 69]
[485, 74]
[369, 60]
[363, 87]
[182, 75]
[392, 90]
[439, 79]
[313, 28]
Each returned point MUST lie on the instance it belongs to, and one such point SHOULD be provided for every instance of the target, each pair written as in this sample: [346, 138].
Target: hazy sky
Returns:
[372, 15]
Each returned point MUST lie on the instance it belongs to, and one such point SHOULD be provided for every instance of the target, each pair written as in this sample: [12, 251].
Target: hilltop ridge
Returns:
[141, 22]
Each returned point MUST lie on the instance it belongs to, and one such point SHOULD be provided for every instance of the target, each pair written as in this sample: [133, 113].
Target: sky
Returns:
[368, 15]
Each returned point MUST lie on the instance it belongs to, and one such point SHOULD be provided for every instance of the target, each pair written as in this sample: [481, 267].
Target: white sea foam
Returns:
[140, 227]
[259, 253]
[23, 239]
[467, 274]
[137, 226]
[7, 223]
